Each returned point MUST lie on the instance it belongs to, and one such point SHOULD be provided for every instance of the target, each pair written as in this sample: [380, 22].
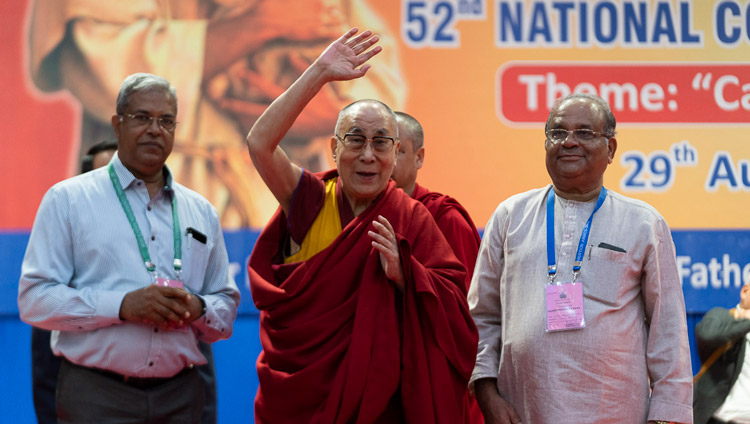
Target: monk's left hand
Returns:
[384, 240]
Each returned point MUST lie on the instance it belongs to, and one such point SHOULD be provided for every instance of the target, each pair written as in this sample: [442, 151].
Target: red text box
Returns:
[658, 93]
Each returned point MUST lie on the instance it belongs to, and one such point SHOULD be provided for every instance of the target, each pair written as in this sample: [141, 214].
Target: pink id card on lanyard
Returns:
[166, 282]
[564, 304]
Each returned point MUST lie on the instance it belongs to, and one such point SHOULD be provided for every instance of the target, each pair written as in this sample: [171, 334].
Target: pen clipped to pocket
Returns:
[611, 247]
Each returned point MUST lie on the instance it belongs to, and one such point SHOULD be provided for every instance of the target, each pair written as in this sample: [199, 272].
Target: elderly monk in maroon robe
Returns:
[452, 219]
[363, 310]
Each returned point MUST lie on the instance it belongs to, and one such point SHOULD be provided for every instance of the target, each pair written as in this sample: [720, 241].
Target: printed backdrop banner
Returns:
[480, 76]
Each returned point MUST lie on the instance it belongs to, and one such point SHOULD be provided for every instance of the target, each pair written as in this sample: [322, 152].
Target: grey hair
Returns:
[345, 111]
[414, 127]
[142, 82]
[600, 104]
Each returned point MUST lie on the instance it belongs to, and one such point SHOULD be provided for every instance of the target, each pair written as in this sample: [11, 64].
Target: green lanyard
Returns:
[137, 231]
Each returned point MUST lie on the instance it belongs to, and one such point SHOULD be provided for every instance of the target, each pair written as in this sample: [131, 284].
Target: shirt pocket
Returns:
[195, 260]
[602, 274]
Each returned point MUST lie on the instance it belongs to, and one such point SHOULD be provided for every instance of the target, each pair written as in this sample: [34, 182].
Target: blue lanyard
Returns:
[137, 230]
[551, 261]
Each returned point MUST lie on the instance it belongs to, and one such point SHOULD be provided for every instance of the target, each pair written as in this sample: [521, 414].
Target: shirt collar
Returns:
[127, 178]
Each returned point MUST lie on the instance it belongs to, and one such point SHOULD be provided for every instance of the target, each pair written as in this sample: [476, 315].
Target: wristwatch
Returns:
[203, 312]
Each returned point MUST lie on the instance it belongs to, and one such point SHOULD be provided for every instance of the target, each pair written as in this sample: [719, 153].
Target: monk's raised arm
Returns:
[343, 60]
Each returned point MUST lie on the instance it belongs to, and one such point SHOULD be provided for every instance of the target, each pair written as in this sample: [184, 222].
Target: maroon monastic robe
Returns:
[455, 223]
[459, 229]
[339, 339]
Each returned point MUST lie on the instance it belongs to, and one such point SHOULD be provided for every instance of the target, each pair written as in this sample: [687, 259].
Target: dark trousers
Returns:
[715, 421]
[208, 375]
[87, 395]
[45, 367]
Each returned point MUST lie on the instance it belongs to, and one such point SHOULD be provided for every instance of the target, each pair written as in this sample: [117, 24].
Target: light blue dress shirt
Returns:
[83, 258]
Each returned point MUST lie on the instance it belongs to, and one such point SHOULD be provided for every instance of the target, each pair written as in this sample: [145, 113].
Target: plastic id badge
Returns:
[564, 304]
[165, 282]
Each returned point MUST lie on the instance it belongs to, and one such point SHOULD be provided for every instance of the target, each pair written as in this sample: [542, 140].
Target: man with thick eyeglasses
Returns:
[362, 302]
[129, 268]
[167, 123]
[581, 135]
[356, 143]
[576, 293]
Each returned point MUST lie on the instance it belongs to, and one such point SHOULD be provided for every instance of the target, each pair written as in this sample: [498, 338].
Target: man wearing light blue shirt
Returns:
[131, 269]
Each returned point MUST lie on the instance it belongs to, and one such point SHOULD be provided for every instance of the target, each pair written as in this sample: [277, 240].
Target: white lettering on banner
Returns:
[644, 93]
[725, 93]
[649, 97]
[715, 274]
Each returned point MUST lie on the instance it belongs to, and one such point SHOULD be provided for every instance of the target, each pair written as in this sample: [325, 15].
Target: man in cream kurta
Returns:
[630, 363]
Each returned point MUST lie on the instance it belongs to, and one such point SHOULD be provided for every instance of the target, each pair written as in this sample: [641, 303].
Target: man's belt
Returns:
[136, 382]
